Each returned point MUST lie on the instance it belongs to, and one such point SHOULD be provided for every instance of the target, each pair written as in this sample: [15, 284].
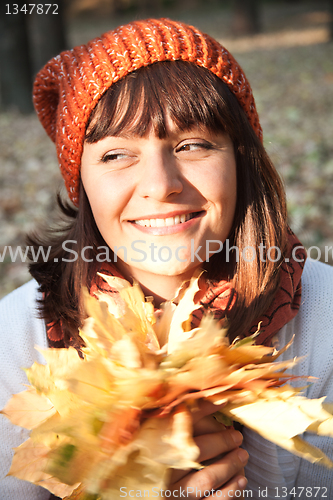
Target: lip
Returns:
[166, 230]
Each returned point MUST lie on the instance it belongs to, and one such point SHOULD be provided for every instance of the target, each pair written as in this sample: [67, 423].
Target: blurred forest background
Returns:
[285, 48]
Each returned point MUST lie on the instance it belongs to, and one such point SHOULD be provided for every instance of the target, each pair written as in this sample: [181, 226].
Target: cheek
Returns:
[222, 187]
[107, 196]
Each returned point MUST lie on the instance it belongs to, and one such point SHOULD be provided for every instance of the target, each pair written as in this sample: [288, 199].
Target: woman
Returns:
[159, 143]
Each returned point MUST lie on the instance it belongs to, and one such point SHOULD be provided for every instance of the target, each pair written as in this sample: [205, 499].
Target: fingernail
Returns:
[237, 437]
[243, 455]
[242, 482]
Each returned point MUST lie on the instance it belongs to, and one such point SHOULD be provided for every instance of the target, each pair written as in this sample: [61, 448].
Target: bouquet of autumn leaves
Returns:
[120, 417]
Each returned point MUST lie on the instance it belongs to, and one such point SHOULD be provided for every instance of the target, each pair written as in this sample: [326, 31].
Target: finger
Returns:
[212, 445]
[215, 476]
[203, 409]
[207, 425]
[232, 489]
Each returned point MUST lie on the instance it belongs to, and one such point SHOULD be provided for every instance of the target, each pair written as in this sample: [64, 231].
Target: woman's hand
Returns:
[224, 461]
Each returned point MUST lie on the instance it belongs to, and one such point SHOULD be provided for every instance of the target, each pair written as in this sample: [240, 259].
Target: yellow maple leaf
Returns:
[28, 409]
[280, 416]
[29, 463]
[181, 319]
[143, 464]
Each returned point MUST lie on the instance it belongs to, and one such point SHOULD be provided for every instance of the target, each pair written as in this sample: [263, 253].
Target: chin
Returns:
[169, 269]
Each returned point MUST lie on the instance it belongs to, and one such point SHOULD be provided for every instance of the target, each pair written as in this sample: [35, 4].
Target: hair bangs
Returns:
[188, 94]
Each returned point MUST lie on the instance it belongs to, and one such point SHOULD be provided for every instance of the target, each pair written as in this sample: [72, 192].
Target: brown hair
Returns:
[191, 95]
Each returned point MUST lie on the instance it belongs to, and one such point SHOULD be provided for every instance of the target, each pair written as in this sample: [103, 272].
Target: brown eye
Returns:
[194, 146]
[113, 157]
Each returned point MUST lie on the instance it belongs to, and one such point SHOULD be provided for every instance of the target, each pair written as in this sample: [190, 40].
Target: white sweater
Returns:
[269, 466]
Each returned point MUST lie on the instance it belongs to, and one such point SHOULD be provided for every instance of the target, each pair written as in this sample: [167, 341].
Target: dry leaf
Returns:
[28, 409]
[121, 417]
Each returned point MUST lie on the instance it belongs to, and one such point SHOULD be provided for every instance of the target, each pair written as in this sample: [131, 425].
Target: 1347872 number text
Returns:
[301, 492]
[29, 8]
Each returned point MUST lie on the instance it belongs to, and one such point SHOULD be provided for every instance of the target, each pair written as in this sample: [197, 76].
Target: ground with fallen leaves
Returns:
[290, 67]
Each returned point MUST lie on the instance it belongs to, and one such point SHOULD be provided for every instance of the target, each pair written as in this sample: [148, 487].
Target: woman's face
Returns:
[162, 205]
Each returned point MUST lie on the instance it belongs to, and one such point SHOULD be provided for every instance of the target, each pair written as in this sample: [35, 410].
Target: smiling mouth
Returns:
[169, 221]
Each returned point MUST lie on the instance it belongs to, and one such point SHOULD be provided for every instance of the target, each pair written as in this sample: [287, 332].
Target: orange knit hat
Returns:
[68, 88]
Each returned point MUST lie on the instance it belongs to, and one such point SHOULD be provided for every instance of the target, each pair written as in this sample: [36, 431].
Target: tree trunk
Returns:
[15, 66]
[246, 17]
[47, 33]
[331, 21]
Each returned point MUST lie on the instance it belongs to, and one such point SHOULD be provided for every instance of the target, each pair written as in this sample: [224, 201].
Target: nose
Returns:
[160, 177]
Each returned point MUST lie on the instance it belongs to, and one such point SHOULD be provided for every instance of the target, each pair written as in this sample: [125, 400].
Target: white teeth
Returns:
[141, 222]
[160, 222]
[169, 221]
